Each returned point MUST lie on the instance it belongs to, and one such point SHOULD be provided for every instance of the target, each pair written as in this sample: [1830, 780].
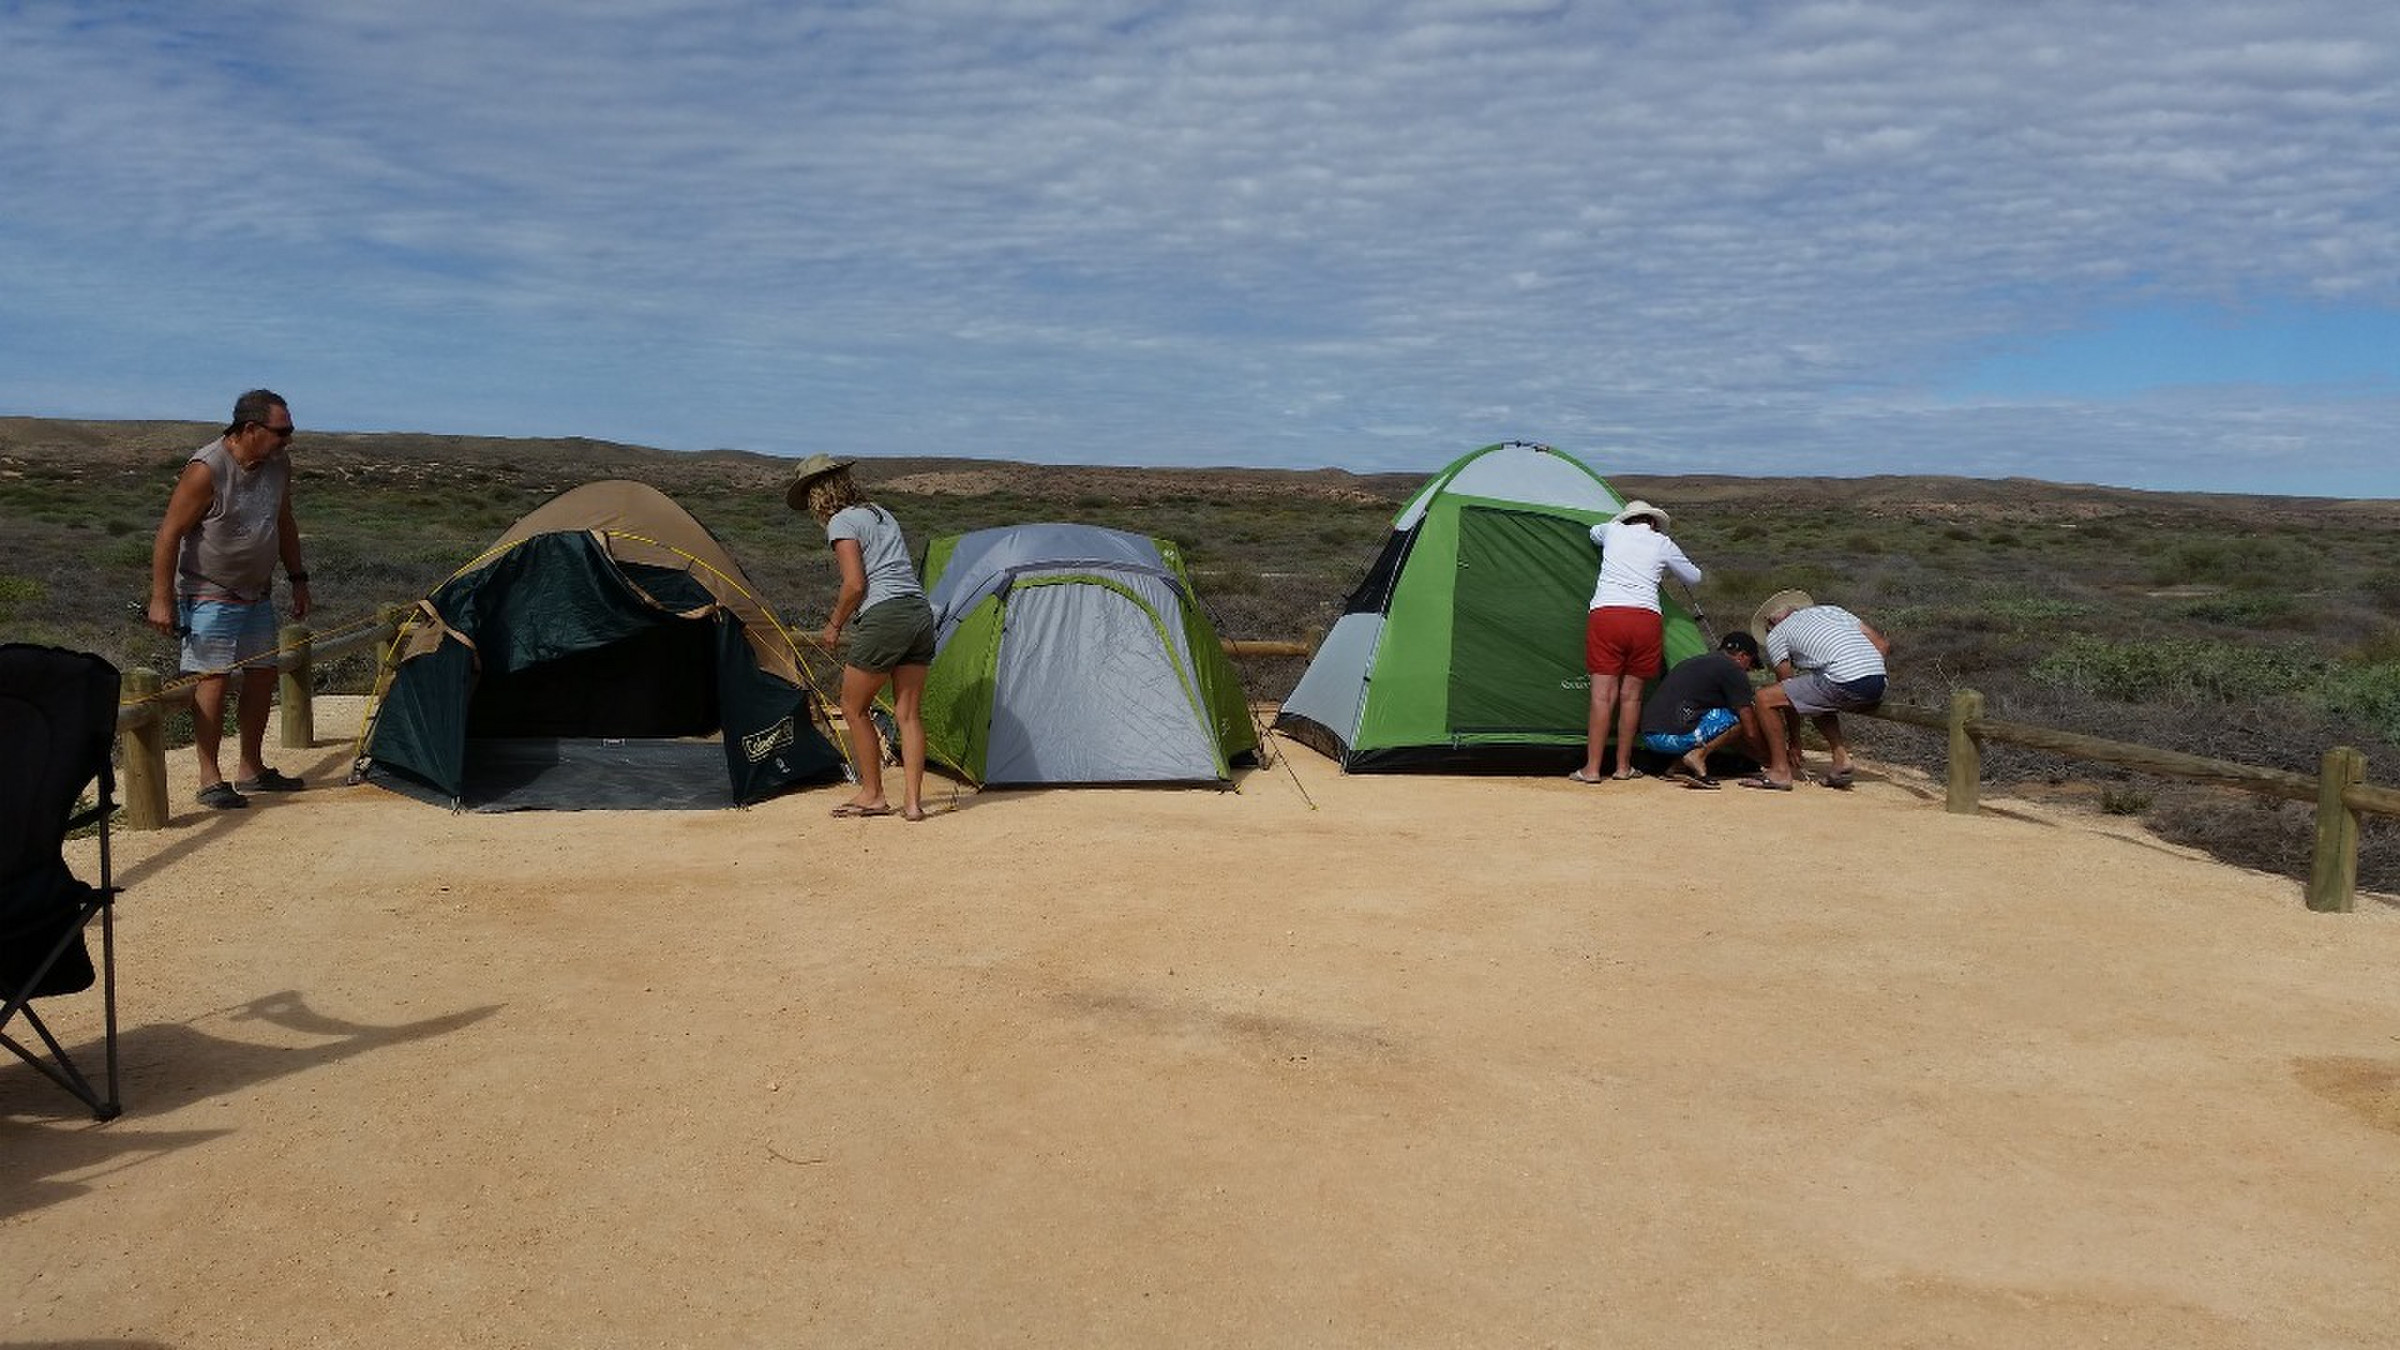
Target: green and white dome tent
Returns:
[1077, 654]
[1462, 649]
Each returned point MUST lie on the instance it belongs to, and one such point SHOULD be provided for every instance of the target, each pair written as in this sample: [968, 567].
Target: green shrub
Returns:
[2383, 647]
[2383, 587]
[2243, 564]
[2366, 696]
[2250, 609]
[20, 595]
[2029, 609]
[2178, 668]
[1227, 579]
[2118, 799]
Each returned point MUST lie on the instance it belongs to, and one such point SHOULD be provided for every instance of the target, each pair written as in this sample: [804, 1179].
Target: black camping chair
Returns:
[58, 713]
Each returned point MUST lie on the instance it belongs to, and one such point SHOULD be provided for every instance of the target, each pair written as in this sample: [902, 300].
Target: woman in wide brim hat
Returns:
[891, 630]
[1624, 634]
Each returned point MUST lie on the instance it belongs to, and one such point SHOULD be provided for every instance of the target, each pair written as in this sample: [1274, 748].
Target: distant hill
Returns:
[558, 463]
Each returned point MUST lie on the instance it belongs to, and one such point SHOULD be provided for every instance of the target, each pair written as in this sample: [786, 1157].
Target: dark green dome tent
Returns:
[1462, 650]
[1076, 654]
[606, 652]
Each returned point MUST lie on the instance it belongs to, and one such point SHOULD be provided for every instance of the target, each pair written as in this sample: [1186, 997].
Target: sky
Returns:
[2153, 245]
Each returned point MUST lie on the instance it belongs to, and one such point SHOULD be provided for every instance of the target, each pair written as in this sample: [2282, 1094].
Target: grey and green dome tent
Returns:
[1076, 654]
[606, 651]
[1462, 650]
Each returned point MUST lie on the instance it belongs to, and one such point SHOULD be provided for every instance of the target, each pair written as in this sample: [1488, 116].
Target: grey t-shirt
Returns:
[230, 554]
[881, 547]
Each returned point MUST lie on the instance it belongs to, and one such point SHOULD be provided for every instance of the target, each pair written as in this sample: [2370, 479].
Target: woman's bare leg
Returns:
[859, 688]
[908, 691]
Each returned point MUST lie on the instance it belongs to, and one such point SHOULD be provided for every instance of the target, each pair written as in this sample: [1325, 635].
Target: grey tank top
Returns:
[231, 554]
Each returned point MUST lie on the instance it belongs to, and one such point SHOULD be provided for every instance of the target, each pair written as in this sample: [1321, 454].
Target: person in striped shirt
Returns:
[1827, 661]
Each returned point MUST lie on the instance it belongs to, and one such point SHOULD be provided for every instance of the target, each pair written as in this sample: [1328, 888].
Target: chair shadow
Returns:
[48, 1137]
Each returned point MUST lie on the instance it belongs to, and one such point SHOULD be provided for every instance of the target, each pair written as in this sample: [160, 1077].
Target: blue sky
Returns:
[2145, 244]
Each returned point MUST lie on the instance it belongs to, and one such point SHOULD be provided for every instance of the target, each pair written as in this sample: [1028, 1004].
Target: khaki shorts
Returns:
[1811, 693]
[897, 632]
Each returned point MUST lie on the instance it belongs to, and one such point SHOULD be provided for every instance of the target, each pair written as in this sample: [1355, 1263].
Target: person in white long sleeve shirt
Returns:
[1623, 635]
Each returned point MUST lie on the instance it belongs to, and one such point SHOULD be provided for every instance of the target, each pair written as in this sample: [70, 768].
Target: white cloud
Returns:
[1763, 227]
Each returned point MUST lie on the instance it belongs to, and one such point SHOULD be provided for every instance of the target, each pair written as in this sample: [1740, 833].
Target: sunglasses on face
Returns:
[280, 433]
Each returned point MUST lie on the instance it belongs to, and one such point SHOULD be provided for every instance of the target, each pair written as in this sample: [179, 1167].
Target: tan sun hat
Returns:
[1638, 507]
[811, 469]
[1778, 605]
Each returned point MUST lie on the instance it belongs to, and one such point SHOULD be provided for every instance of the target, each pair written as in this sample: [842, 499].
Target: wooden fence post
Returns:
[295, 687]
[2333, 875]
[1966, 752]
[143, 747]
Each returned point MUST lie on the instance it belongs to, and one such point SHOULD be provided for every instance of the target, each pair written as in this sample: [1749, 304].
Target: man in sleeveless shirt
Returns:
[212, 581]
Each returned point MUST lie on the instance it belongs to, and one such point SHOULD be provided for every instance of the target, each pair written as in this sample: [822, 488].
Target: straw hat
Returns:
[1638, 507]
[811, 469]
[1778, 604]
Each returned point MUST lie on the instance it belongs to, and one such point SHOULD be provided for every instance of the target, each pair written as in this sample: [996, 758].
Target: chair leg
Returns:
[114, 1105]
[60, 1069]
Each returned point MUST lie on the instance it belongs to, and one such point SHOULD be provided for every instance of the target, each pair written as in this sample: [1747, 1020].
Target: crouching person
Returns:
[1827, 661]
[1706, 704]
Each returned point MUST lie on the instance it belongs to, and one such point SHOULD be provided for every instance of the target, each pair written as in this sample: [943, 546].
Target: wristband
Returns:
[297, 578]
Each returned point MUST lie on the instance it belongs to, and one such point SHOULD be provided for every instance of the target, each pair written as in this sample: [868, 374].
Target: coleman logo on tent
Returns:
[767, 740]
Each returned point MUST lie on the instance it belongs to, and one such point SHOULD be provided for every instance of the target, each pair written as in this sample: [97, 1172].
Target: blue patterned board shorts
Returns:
[1713, 723]
[221, 634]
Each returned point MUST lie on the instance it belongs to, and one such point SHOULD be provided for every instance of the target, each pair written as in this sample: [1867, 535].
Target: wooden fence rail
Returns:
[2339, 789]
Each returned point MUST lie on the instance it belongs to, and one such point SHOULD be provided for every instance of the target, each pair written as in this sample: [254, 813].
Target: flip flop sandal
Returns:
[1579, 776]
[222, 797]
[1766, 785]
[269, 781]
[1701, 781]
[853, 811]
[1839, 779]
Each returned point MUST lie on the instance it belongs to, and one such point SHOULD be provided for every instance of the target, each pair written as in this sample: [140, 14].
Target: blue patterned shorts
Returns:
[221, 634]
[1713, 723]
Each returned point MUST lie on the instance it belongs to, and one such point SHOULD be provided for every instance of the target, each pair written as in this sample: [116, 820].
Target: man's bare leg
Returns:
[250, 719]
[208, 725]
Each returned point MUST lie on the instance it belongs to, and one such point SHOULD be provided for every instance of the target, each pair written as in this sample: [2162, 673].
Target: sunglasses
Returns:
[280, 433]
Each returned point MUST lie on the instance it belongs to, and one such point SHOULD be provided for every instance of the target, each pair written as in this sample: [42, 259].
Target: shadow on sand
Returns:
[54, 1150]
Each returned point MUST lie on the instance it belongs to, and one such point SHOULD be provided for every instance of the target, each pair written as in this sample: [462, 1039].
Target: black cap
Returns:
[1740, 643]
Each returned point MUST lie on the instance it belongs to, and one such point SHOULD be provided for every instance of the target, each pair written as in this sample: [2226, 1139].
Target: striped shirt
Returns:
[1825, 639]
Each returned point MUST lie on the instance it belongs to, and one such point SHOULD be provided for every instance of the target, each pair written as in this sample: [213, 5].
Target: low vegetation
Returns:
[2246, 628]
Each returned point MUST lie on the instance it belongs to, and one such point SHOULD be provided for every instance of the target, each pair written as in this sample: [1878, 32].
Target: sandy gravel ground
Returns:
[1325, 1062]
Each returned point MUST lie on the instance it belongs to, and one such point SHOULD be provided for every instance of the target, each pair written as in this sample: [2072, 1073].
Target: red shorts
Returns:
[1623, 640]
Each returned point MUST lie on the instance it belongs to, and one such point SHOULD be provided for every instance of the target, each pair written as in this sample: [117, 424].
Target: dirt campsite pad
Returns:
[1333, 1061]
